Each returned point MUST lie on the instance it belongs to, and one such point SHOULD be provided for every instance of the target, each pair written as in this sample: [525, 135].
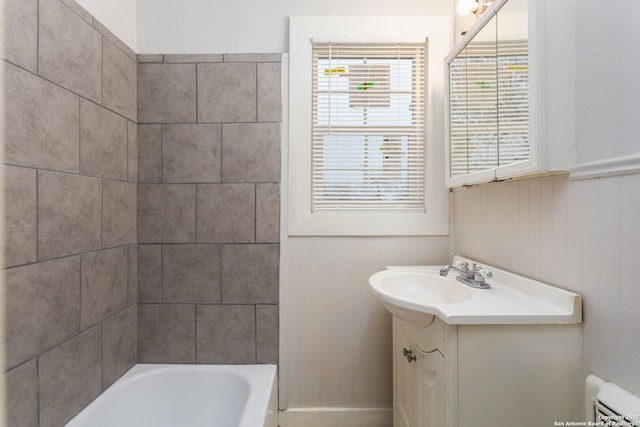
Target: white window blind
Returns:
[368, 126]
[489, 106]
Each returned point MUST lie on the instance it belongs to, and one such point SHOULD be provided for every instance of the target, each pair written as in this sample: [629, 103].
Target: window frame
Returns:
[302, 221]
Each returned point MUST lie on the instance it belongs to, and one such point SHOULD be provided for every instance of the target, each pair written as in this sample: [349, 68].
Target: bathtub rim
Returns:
[261, 379]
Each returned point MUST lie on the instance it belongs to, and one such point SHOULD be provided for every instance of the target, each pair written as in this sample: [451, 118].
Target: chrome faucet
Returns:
[474, 276]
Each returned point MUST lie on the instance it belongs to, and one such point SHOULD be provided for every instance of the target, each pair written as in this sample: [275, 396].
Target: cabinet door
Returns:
[404, 380]
[418, 395]
[430, 389]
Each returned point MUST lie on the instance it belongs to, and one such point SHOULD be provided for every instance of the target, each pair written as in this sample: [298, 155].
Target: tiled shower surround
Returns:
[132, 243]
[208, 208]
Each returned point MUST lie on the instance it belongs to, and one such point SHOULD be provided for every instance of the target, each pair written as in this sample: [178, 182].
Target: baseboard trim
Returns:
[336, 417]
[608, 167]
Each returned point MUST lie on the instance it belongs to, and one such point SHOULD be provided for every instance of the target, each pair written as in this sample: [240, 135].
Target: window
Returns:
[368, 126]
[356, 166]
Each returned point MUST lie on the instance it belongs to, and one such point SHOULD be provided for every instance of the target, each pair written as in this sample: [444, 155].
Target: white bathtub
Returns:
[186, 396]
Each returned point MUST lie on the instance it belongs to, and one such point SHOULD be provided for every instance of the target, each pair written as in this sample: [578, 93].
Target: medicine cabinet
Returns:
[509, 93]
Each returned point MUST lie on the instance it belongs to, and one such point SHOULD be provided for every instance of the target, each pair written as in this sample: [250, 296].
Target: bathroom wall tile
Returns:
[191, 153]
[226, 334]
[166, 333]
[69, 214]
[104, 285]
[227, 92]
[269, 92]
[166, 213]
[191, 274]
[267, 213]
[22, 402]
[149, 274]
[166, 93]
[21, 33]
[20, 215]
[191, 58]
[69, 50]
[250, 274]
[118, 213]
[70, 377]
[108, 35]
[43, 302]
[149, 153]
[119, 345]
[251, 152]
[119, 81]
[132, 275]
[41, 123]
[132, 152]
[149, 57]
[253, 57]
[103, 142]
[79, 10]
[226, 213]
[267, 333]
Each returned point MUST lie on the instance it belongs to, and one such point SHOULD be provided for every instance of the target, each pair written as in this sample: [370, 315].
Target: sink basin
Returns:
[406, 293]
[418, 293]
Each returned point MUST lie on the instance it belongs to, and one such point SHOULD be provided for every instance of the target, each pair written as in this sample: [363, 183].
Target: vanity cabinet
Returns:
[485, 375]
[510, 93]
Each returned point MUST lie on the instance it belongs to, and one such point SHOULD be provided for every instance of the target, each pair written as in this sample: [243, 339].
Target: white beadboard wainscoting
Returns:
[580, 235]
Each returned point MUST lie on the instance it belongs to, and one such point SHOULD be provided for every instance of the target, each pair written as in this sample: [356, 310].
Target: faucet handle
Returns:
[482, 273]
[464, 265]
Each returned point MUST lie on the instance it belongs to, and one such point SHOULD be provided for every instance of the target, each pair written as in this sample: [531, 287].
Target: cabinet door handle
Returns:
[408, 354]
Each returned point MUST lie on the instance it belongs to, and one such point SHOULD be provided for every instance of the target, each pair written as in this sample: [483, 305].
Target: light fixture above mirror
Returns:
[466, 7]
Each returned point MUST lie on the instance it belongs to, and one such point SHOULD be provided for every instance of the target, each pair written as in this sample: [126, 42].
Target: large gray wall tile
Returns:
[108, 35]
[132, 275]
[251, 152]
[22, 402]
[103, 142]
[119, 81]
[149, 274]
[226, 334]
[166, 213]
[166, 93]
[21, 216]
[253, 57]
[227, 92]
[43, 303]
[41, 123]
[119, 213]
[104, 285]
[166, 333]
[70, 377]
[149, 153]
[69, 214]
[250, 274]
[226, 213]
[267, 335]
[267, 213]
[191, 58]
[132, 150]
[269, 92]
[191, 153]
[79, 10]
[21, 33]
[119, 345]
[70, 50]
[191, 273]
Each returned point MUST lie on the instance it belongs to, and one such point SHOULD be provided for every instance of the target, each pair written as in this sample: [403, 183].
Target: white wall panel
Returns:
[336, 334]
[579, 235]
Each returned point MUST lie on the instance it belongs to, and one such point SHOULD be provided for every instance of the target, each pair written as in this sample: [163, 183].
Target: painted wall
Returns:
[579, 235]
[204, 26]
[607, 69]
[117, 15]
